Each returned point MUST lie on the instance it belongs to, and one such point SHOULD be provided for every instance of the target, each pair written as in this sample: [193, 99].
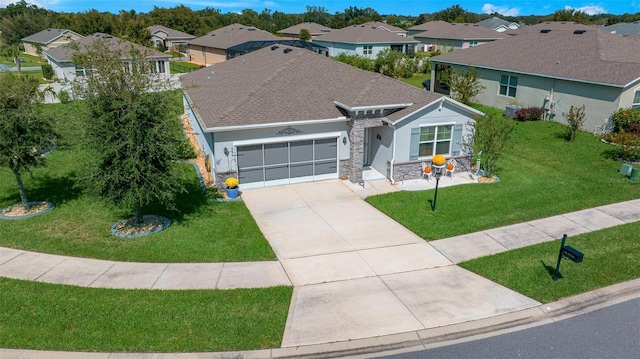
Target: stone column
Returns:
[356, 138]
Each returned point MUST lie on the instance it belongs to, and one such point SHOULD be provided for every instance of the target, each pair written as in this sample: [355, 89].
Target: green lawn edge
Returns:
[611, 256]
[40, 316]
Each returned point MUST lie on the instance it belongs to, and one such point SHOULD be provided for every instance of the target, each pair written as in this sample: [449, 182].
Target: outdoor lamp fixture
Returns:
[438, 163]
[226, 152]
[344, 140]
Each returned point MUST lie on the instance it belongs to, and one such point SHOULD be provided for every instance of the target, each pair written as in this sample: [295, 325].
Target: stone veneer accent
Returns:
[222, 176]
[353, 169]
[413, 169]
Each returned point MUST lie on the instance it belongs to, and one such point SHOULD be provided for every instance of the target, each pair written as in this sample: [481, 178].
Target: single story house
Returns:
[61, 57]
[282, 115]
[498, 24]
[169, 39]
[47, 39]
[212, 48]
[315, 30]
[367, 40]
[445, 37]
[555, 66]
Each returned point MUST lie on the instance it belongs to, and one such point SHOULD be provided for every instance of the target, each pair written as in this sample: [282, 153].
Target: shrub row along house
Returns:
[284, 114]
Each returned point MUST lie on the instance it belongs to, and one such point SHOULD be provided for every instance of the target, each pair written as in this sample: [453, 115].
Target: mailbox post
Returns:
[568, 252]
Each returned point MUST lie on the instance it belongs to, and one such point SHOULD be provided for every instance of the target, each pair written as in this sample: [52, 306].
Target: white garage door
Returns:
[287, 162]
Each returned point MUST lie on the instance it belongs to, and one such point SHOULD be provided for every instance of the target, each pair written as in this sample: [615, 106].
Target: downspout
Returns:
[393, 154]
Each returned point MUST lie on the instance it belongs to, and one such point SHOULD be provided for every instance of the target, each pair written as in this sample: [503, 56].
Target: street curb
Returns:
[403, 342]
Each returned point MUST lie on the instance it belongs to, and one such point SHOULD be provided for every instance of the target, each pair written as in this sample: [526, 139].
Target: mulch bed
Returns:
[17, 210]
[150, 223]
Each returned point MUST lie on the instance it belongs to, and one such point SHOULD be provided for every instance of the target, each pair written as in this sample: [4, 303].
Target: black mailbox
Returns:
[572, 254]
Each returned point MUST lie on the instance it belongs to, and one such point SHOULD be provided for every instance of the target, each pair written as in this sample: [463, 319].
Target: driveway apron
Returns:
[358, 274]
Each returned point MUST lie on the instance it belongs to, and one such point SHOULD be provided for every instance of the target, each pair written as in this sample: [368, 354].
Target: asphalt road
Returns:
[612, 332]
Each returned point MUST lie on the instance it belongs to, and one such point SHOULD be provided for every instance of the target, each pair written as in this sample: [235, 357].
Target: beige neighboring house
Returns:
[554, 66]
[445, 37]
[61, 57]
[282, 115]
[367, 40]
[314, 29]
[170, 39]
[212, 48]
[48, 39]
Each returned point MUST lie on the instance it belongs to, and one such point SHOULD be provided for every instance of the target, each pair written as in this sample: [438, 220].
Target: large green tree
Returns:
[129, 131]
[25, 134]
[465, 85]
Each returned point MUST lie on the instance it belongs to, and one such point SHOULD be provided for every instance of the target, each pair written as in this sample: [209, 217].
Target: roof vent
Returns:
[287, 50]
[274, 47]
[325, 30]
[251, 29]
[545, 31]
[578, 32]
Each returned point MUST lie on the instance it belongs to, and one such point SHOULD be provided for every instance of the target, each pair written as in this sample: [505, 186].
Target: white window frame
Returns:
[473, 43]
[435, 140]
[367, 50]
[636, 99]
[508, 86]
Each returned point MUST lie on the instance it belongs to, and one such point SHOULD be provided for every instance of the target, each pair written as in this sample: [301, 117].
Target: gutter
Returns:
[393, 153]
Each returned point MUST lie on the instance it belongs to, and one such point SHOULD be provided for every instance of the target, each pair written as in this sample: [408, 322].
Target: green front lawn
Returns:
[416, 80]
[541, 175]
[202, 230]
[28, 60]
[56, 317]
[610, 256]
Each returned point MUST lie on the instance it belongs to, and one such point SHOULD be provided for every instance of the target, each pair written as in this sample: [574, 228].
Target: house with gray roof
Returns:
[555, 66]
[367, 40]
[624, 28]
[169, 39]
[47, 39]
[498, 24]
[282, 115]
[212, 47]
[445, 37]
[61, 57]
[314, 29]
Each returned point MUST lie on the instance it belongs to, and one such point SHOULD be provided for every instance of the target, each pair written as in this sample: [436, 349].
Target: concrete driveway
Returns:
[359, 274]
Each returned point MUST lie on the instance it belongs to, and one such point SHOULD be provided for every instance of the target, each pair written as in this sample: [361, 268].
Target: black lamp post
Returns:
[437, 171]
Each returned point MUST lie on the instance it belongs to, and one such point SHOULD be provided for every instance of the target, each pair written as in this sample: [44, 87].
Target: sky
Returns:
[383, 7]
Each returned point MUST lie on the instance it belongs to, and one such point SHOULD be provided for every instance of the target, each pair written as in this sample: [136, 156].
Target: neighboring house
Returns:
[367, 40]
[61, 58]
[48, 39]
[498, 24]
[212, 47]
[283, 115]
[251, 46]
[169, 39]
[554, 66]
[624, 28]
[445, 37]
[314, 29]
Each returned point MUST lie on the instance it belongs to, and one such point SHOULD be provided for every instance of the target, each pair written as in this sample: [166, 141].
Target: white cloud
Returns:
[40, 4]
[502, 10]
[588, 9]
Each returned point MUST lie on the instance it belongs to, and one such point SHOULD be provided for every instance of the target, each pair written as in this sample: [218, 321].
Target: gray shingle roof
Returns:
[430, 25]
[624, 28]
[575, 52]
[171, 33]
[371, 32]
[65, 53]
[314, 29]
[289, 84]
[232, 35]
[494, 23]
[48, 35]
[444, 30]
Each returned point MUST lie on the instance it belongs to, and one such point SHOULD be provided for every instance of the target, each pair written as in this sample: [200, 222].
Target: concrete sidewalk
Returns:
[358, 276]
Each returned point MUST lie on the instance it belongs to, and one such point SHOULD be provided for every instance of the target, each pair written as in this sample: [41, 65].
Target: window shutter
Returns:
[414, 147]
[457, 140]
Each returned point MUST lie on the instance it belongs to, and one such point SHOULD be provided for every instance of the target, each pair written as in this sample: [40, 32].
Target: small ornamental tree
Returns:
[25, 134]
[575, 118]
[305, 35]
[491, 135]
[133, 148]
[465, 85]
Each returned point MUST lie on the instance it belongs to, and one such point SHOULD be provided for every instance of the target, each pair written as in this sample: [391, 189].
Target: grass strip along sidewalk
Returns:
[43, 316]
[611, 256]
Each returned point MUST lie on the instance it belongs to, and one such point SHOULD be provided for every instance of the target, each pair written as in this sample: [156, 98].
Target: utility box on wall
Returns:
[510, 111]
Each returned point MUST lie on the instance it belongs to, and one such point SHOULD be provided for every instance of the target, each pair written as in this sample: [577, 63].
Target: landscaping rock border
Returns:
[116, 232]
[50, 207]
